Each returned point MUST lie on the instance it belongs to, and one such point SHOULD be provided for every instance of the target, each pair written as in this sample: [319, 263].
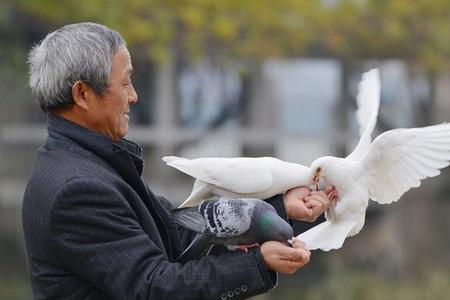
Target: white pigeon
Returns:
[239, 177]
[382, 171]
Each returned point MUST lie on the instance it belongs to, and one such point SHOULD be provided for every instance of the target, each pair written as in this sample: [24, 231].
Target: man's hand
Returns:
[302, 204]
[281, 258]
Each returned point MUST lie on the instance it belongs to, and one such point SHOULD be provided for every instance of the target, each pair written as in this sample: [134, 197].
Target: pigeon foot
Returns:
[243, 247]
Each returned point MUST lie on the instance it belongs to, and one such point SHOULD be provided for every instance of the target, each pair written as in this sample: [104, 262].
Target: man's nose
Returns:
[133, 98]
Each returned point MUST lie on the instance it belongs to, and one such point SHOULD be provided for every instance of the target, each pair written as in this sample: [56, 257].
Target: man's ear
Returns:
[81, 93]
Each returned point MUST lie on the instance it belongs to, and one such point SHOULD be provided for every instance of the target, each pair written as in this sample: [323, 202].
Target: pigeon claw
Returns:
[245, 247]
[333, 194]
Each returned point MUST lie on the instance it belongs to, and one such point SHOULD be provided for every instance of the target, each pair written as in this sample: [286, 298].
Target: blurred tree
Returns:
[349, 29]
[247, 32]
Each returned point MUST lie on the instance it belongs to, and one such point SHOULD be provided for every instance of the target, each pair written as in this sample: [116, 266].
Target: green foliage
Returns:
[417, 31]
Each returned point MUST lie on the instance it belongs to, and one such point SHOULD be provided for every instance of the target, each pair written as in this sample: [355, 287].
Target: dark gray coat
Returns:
[93, 229]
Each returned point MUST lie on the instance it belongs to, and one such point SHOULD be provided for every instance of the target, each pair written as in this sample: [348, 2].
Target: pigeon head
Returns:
[271, 227]
[329, 169]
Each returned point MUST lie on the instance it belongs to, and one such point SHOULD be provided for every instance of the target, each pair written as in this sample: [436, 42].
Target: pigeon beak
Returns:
[315, 182]
[316, 179]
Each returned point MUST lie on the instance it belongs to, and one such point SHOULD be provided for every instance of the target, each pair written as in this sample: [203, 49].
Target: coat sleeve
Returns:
[277, 202]
[96, 235]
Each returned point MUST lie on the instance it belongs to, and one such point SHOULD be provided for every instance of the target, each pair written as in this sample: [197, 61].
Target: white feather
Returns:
[368, 101]
[327, 235]
[401, 156]
[259, 177]
[384, 170]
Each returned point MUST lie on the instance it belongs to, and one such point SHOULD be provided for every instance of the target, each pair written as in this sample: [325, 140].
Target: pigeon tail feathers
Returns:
[199, 247]
[190, 218]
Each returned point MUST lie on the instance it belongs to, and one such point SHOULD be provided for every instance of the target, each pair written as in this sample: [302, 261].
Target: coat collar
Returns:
[97, 143]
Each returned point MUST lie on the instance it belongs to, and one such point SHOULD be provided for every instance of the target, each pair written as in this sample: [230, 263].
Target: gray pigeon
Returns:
[235, 223]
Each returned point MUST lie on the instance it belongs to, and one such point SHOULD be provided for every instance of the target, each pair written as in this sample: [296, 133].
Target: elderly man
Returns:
[93, 228]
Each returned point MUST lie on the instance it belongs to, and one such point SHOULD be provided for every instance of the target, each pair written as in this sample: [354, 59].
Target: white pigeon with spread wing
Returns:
[382, 171]
[239, 177]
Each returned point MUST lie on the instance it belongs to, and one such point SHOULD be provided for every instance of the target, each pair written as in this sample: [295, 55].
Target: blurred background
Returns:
[257, 78]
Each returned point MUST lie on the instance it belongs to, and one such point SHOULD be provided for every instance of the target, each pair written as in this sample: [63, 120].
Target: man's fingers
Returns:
[314, 204]
[309, 212]
[297, 242]
[321, 194]
[281, 258]
[311, 203]
[320, 198]
[298, 260]
[292, 266]
[299, 254]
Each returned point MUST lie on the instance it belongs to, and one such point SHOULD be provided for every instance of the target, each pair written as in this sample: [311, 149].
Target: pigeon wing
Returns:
[368, 101]
[398, 159]
[239, 175]
[190, 218]
[226, 218]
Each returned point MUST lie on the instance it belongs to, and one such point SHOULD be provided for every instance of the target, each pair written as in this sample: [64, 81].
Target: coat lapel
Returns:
[123, 161]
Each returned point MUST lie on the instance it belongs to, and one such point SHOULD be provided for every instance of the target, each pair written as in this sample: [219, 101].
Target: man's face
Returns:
[111, 110]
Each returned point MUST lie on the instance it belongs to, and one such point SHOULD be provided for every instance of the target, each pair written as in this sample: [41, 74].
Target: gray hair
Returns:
[81, 51]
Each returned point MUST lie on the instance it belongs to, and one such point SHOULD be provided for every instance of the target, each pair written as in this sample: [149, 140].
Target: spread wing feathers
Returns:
[398, 159]
[327, 235]
[236, 174]
[368, 101]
